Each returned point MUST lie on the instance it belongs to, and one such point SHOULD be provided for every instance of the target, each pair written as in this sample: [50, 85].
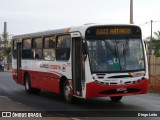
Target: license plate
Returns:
[121, 89]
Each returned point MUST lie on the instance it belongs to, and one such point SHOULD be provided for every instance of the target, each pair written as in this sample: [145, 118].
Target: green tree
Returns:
[154, 43]
[1, 57]
[157, 35]
[158, 53]
[5, 37]
[7, 52]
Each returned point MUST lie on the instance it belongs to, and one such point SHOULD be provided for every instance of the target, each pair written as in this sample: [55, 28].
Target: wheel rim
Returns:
[67, 92]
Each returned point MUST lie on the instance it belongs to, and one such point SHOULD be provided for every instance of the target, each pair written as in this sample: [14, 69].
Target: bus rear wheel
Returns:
[28, 87]
[67, 92]
[116, 98]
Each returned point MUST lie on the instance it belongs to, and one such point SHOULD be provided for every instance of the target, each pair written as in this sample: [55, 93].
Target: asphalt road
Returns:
[95, 109]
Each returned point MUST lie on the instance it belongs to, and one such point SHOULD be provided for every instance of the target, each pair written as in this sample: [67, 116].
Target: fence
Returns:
[154, 73]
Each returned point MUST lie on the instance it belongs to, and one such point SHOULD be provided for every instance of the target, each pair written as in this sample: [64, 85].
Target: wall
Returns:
[154, 73]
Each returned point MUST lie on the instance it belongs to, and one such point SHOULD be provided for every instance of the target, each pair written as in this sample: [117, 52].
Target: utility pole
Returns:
[151, 28]
[151, 35]
[131, 11]
[5, 34]
[150, 53]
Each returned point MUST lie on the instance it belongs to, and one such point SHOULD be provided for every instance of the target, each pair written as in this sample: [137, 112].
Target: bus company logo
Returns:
[44, 66]
[6, 114]
[55, 67]
[21, 114]
[63, 67]
[52, 67]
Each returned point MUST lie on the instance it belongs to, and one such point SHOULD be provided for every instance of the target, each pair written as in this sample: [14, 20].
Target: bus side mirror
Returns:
[84, 48]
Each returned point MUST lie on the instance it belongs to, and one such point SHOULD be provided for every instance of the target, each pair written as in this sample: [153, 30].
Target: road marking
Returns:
[75, 119]
[4, 97]
[60, 114]
[9, 99]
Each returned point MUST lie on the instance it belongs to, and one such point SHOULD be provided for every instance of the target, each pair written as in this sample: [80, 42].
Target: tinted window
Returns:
[37, 43]
[49, 54]
[49, 42]
[14, 44]
[27, 54]
[37, 53]
[63, 41]
[49, 48]
[63, 47]
[14, 52]
[27, 44]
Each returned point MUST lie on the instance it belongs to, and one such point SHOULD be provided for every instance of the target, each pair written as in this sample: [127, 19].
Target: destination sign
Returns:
[114, 31]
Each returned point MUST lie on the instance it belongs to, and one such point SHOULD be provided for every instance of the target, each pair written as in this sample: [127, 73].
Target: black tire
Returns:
[28, 87]
[66, 92]
[116, 98]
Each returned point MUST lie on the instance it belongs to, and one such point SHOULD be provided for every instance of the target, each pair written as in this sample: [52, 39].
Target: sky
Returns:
[27, 16]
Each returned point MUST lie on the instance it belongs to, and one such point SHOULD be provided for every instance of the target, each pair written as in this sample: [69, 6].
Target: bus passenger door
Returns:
[18, 62]
[77, 65]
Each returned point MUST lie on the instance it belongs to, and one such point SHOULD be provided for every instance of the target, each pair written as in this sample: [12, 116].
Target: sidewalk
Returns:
[6, 104]
[5, 70]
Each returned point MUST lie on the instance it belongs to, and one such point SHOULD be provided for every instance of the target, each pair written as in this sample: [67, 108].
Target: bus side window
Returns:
[14, 50]
[37, 48]
[49, 48]
[63, 47]
[49, 54]
[27, 54]
[27, 51]
[37, 54]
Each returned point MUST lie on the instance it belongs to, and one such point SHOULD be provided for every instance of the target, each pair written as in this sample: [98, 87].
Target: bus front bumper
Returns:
[95, 89]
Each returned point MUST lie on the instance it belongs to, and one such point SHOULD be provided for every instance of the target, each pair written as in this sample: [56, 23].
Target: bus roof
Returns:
[43, 33]
[81, 29]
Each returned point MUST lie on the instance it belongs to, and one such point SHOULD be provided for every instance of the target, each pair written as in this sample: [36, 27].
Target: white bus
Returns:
[82, 62]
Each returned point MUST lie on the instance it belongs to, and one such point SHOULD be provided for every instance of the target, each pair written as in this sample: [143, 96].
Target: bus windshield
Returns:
[116, 55]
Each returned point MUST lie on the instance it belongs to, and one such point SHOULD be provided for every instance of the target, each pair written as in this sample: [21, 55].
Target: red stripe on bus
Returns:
[42, 80]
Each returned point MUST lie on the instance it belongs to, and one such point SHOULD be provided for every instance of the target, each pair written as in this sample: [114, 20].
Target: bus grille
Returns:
[100, 76]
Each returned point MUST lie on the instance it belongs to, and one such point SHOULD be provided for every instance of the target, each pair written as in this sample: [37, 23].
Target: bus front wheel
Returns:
[116, 98]
[28, 87]
[67, 92]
